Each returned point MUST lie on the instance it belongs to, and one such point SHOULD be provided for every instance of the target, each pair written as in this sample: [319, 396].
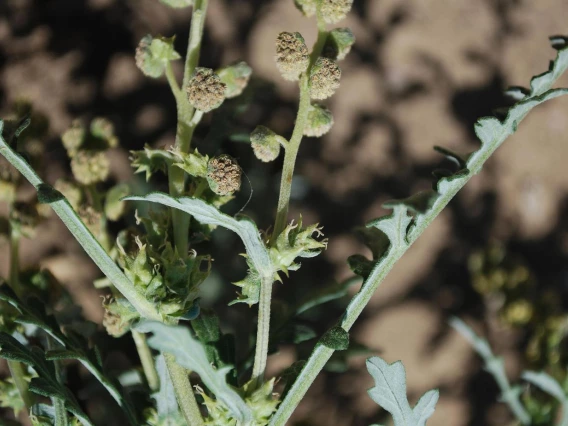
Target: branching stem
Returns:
[147, 360]
[291, 153]
[184, 393]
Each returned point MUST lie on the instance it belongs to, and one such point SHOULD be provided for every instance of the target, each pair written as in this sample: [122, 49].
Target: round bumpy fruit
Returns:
[206, 91]
[292, 57]
[224, 175]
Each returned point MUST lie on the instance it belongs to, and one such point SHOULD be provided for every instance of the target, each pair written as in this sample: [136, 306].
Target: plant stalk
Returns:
[186, 125]
[291, 153]
[184, 393]
[187, 121]
[146, 360]
[321, 353]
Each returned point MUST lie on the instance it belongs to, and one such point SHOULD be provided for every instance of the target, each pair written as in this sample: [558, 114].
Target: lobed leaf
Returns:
[390, 393]
[191, 354]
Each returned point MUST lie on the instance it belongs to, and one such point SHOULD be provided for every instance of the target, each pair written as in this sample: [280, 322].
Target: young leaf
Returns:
[33, 313]
[190, 353]
[390, 393]
[46, 383]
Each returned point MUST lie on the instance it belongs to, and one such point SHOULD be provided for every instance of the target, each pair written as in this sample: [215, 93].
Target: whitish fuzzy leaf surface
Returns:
[191, 354]
[390, 393]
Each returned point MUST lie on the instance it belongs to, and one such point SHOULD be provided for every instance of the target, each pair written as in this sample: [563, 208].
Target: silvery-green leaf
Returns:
[390, 389]
[425, 406]
[390, 393]
[191, 354]
[547, 383]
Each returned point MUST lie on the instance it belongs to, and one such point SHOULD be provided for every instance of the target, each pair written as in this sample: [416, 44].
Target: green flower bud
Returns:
[71, 191]
[206, 91]
[266, 144]
[223, 175]
[152, 55]
[114, 206]
[307, 7]
[292, 57]
[319, 121]
[324, 78]
[102, 128]
[73, 138]
[90, 167]
[236, 78]
[333, 11]
[338, 44]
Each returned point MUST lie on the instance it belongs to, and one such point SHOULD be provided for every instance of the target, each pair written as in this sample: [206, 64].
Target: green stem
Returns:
[321, 353]
[147, 360]
[184, 393]
[291, 153]
[59, 404]
[82, 234]
[186, 123]
[263, 332]
[188, 119]
[296, 139]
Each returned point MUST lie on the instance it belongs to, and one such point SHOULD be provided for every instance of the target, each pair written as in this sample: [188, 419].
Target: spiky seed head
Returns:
[265, 143]
[333, 11]
[324, 78]
[206, 91]
[236, 78]
[90, 167]
[338, 44]
[224, 175]
[292, 57]
[320, 121]
[307, 7]
[73, 138]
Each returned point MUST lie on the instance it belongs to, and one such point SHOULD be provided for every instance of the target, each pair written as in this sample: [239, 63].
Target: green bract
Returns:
[235, 77]
[153, 54]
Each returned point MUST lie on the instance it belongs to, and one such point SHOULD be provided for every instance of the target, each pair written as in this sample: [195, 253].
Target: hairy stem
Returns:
[59, 404]
[321, 353]
[146, 360]
[263, 328]
[186, 125]
[188, 119]
[184, 393]
[296, 139]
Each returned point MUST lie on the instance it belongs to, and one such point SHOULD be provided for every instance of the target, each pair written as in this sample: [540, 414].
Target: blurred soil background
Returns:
[420, 74]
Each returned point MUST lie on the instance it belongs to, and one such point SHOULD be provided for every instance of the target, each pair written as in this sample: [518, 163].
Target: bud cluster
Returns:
[266, 144]
[292, 56]
[324, 78]
[223, 175]
[206, 91]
